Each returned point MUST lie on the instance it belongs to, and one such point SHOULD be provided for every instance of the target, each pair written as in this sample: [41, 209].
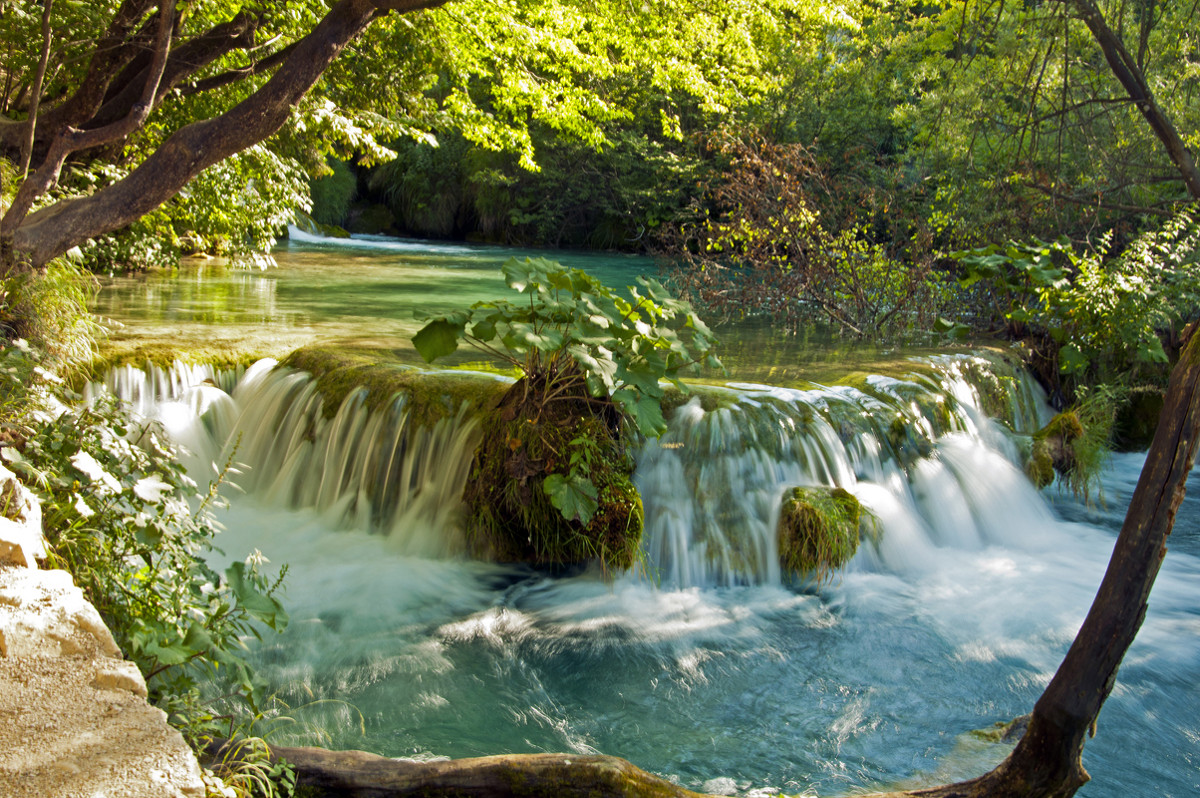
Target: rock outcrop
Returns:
[74, 720]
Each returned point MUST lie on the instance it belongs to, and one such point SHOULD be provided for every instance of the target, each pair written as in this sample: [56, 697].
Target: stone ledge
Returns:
[74, 722]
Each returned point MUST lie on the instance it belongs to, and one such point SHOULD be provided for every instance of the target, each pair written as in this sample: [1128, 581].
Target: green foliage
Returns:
[134, 530]
[1109, 313]
[575, 328]
[245, 767]
[234, 208]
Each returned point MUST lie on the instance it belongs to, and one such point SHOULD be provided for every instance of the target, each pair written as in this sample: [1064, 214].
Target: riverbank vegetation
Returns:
[136, 532]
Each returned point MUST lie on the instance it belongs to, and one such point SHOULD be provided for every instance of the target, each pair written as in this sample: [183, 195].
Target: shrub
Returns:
[551, 480]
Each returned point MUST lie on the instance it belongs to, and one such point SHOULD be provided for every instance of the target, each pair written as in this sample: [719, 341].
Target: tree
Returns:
[137, 63]
[1062, 113]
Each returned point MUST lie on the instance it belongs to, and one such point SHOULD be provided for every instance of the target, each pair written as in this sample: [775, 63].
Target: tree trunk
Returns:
[1128, 71]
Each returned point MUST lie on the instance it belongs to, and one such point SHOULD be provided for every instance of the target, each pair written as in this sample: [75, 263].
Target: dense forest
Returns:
[888, 171]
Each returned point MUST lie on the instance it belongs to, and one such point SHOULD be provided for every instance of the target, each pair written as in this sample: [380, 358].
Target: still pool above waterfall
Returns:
[367, 293]
[706, 664]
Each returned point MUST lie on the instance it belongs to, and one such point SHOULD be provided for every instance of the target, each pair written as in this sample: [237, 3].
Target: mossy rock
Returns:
[1055, 443]
[1039, 465]
[1137, 419]
[163, 355]
[525, 440]
[819, 530]
[432, 395]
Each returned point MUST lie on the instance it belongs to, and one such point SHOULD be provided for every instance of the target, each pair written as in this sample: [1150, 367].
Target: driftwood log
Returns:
[358, 774]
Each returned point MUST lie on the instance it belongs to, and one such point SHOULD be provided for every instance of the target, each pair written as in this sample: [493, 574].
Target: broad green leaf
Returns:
[438, 338]
[258, 604]
[574, 496]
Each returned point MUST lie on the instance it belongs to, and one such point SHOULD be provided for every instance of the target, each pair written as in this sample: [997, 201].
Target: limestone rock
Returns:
[21, 541]
[43, 613]
[74, 722]
[120, 675]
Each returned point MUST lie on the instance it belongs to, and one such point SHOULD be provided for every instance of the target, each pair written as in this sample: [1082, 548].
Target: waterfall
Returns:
[918, 452]
[362, 468]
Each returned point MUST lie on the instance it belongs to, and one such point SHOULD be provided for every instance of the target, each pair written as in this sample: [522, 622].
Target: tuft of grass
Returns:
[819, 530]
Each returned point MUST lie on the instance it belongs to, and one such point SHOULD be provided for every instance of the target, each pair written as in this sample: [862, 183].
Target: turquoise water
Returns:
[368, 292]
[750, 684]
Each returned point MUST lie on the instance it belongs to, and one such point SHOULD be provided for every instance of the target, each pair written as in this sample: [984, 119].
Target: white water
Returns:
[704, 666]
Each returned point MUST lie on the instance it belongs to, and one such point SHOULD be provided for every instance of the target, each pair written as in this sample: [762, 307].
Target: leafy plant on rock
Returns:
[592, 362]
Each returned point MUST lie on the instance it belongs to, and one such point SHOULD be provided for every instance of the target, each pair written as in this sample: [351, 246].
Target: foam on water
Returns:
[706, 664]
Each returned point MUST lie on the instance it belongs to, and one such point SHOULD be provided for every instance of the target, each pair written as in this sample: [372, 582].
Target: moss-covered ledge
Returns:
[433, 395]
[358, 774]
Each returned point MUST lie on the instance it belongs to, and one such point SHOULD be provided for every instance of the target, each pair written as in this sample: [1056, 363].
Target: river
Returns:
[710, 669]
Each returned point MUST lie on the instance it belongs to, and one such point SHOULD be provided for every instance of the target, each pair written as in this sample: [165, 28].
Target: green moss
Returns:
[164, 356]
[1002, 732]
[525, 440]
[1065, 426]
[819, 530]
[711, 398]
[432, 396]
[1039, 466]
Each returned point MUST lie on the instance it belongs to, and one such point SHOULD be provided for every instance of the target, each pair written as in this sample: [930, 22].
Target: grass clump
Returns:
[1075, 443]
[819, 530]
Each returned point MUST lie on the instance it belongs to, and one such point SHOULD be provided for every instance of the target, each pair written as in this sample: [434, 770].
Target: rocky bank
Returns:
[74, 720]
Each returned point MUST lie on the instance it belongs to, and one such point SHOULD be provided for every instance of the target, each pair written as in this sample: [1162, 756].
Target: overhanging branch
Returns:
[51, 231]
[72, 140]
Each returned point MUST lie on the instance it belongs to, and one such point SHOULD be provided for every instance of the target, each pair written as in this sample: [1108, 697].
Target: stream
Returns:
[704, 664]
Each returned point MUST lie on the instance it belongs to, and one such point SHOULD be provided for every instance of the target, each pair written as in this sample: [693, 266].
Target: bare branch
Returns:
[36, 99]
[1126, 70]
[1094, 202]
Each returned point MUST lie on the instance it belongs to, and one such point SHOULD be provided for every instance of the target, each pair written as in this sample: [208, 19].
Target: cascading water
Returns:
[705, 665]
